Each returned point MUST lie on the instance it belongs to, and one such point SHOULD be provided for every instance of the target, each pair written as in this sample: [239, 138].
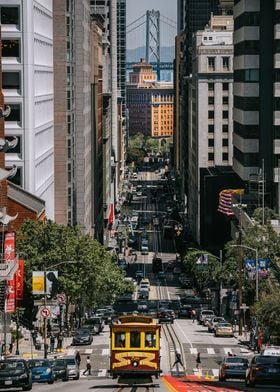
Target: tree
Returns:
[267, 312]
[93, 279]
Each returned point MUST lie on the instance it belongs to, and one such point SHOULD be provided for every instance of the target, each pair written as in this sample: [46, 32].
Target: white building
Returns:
[27, 65]
[210, 108]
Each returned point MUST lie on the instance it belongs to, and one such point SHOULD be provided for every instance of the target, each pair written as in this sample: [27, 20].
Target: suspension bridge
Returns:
[152, 36]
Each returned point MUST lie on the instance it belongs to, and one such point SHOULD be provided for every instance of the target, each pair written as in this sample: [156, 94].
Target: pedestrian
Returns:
[59, 341]
[178, 360]
[88, 367]
[78, 358]
[193, 315]
[52, 343]
[198, 361]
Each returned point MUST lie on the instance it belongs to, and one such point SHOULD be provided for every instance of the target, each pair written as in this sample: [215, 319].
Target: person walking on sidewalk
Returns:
[52, 343]
[88, 367]
[78, 358]
[198, 361]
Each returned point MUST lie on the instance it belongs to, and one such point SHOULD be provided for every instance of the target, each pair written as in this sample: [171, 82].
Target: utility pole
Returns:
[240, 281]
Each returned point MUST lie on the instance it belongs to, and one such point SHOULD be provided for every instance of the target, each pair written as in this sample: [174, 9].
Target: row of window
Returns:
[211, 86]
[211, 100]
[9, 15]
[211, 128]
[211, 114]
[211, 142]
[211, 156]
[212, 63]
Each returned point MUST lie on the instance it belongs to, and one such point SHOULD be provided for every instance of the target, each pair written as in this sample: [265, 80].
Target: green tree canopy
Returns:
[86, 270]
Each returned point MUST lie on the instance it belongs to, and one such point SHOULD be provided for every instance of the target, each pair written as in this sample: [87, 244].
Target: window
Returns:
[225, 100]
[211, 63]
[210, 142]
[225, 128]
[225, 86]
[10, 15]
[225, 113]
[10, 48]
[211, 114]
[210, 156]
[120, 339]
[210, 86]
[211, 100]
[17, 148]
[252, 75]
[134, 339]
[225, 63]
[15, 114]
[150, 339]
[225, 156]
[11, 80]
[17, 178]
[210, 128]
[225, 142]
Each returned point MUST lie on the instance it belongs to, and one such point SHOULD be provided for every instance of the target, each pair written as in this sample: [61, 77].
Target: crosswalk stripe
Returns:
[193, 350]
[88, 351]
[210, 350]
[102, 373]
[215, 372]
[71, 351]
[227, 350]
[105, 351]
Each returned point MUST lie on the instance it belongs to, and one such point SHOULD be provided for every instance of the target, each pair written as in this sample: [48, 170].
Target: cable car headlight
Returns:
[134, 363]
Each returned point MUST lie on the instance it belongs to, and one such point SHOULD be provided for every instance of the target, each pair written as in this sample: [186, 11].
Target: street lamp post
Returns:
[45, 301]
[257, 278]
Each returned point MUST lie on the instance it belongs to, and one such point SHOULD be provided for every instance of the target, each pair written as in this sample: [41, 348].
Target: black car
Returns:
[82, 336]
[166, 316]
[15, 373]
[233, 367]
[60, 369]
[184, 311]
[263, 369]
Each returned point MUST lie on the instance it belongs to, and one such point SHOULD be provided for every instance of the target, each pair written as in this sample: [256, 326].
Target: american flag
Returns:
[225, 202]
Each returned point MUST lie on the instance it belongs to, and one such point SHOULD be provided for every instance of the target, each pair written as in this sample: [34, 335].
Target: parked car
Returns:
[94, 324]
[73, 367]
[142, 306]
[203, 314]
[263, 369]
[60, 370]
[143, 293]
[41, 370]
[233, 367]
[82, 336]
[213, 323]
[166, 316]
[15, 373]
[224, 329]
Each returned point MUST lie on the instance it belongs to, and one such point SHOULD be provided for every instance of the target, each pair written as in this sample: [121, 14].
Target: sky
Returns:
[136, 8]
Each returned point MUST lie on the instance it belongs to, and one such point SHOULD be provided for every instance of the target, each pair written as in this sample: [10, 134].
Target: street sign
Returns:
[42, 302]
[61, 298]
[45, 312]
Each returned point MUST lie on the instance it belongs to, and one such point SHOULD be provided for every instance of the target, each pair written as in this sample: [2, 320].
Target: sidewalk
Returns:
[244, 339]
[27, 349]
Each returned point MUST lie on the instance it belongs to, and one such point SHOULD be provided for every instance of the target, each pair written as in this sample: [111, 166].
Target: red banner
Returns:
[9, 255]
[19, 280]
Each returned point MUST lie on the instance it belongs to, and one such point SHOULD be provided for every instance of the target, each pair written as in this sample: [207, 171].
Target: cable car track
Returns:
[135, 388]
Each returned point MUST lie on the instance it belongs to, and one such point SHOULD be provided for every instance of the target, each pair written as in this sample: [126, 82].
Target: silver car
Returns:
[73, 368]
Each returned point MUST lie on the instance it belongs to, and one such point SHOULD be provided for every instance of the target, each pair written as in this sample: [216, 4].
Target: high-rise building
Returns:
[209, 113]
[149, 102]
[256, 97]
[27, 62]
[180, 15]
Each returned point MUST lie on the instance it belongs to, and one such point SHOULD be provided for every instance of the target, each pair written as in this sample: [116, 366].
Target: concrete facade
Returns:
[27, 63]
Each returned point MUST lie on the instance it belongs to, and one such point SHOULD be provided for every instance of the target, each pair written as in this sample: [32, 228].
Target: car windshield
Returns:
[268, 359]
[11, 365]
[93, 321]
[70, 361]
[38, 363]
[58, 363]
[236, 360]
[207, 312]
[224, 325]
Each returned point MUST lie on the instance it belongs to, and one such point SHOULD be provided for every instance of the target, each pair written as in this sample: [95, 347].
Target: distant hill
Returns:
[167, 54]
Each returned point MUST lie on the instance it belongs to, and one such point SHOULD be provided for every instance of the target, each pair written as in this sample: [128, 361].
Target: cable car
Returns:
[135, 347]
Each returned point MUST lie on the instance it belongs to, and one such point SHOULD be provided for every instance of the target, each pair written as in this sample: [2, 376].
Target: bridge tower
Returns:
[153, 38]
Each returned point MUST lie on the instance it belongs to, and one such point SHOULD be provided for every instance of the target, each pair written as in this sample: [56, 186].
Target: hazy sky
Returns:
[136, 8]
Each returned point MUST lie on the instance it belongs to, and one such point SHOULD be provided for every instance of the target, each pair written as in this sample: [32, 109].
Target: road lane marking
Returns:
[215, 372]
[88, 351]
[71, 351]
[210, 350]
[181, 329]
[193, 350]
[102, 373]
[105, 351]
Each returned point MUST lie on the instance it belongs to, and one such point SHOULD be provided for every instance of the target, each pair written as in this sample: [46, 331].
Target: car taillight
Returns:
[226, 366]
[259, 368]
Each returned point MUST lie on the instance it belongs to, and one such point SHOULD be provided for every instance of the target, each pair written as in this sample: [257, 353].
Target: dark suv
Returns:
[166, 316]
[94, 324]
[15, 373]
